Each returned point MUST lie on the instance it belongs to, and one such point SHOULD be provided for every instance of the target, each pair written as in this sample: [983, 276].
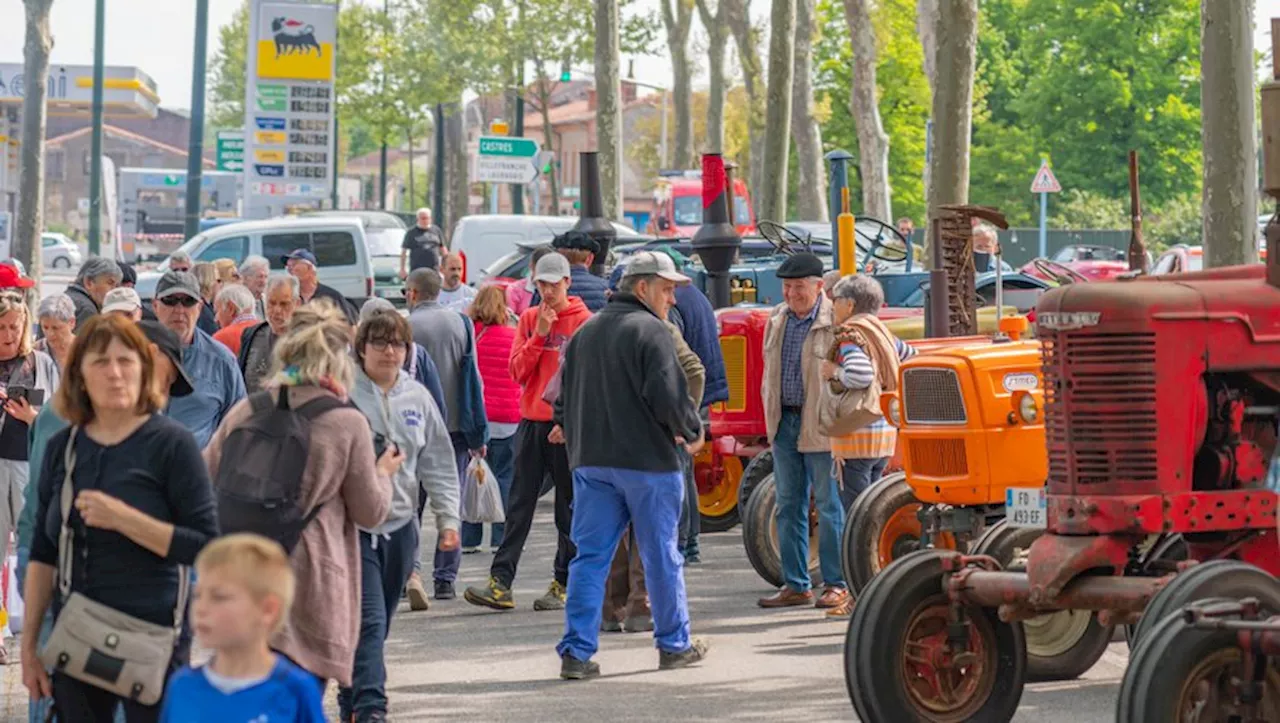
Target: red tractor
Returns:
[1162, 398]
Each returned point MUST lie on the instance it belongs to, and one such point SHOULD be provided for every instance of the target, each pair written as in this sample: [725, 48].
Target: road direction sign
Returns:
[499, 169]
[230, 154]
[1045, 182]
[507, 147]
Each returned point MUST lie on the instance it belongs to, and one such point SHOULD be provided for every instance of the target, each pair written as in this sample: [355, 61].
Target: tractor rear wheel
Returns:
[900, 663]
[760, 535]
[882, 526]
[720, 476]
[1061, 645]
[1230, 579]
[758, 467]
[1182, 673]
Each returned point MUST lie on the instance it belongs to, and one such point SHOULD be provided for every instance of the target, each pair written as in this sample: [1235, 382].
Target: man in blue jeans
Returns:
[797, 338]
[624, 407]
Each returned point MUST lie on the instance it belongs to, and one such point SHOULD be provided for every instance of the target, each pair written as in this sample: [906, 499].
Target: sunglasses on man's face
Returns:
[185, 301]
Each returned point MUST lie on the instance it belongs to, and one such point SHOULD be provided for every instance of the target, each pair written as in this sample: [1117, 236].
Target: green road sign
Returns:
[230, 153]
[273, 91]
[510, 147]
[274, 105]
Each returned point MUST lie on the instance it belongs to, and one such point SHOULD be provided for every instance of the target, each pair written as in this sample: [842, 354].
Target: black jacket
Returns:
[623, 396]
[340, 301]
[86, 307]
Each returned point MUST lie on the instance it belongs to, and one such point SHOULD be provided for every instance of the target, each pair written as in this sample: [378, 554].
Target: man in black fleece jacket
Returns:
[623, 407]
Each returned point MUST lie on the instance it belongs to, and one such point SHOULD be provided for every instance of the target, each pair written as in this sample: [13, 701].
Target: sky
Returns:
[156, 36]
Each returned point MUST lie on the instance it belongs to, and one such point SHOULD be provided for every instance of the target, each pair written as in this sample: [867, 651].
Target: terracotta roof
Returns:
[578, 111]
[122, 133]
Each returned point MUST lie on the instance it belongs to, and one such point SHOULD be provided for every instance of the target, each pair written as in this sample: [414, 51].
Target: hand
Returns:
[546, 319]
[101, 510]
[403, 274]
[390, 461]
[556, 436]
[21, 410]
[695, 446]
[448, 541]
[829, 369]
[480, 453]
[34, 676]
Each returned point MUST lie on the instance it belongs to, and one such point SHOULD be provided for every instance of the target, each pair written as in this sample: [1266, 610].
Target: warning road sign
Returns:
[1045, 182]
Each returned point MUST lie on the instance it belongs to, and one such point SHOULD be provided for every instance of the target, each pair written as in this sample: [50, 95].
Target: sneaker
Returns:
[693, 559]
[417, 593]
[638, 624]
[444, 590]
[696, 653]
[573, 669]
[371, 717]
[494, 595]
[553, 600]
[4, 654]
[471, 550]
[610, 626]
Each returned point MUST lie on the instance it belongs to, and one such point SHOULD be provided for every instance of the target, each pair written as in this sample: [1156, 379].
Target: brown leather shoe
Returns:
[785, 597]
[832, 597]
[843, 611]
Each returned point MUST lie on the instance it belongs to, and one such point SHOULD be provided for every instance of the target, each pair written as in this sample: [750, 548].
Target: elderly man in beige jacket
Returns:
[798, 336]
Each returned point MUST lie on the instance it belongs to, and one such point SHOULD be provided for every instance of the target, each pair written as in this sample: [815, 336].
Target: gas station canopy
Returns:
[127, 91]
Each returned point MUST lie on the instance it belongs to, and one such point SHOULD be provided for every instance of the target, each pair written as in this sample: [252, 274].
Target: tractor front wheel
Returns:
[1218, 578]
[718, 478]
[881, 527]
[906, 660]
[1182, 673]
[758, 467]
[760, 535]
[1061, 645]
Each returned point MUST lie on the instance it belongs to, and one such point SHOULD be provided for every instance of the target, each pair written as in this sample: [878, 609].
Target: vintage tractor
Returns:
[1162, 397]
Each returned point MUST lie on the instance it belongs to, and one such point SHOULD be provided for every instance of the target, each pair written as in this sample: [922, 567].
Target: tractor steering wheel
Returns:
[884, 243]
[1059, 272]
[781, 236]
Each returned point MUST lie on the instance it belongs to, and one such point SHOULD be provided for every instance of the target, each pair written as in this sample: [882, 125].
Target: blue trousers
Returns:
[795, 473]
[858, 475]
[502, 461]
[605, 500]
[385, 565]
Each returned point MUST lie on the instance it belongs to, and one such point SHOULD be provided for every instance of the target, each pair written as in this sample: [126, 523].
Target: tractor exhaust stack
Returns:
[592, 222]
[717, 240]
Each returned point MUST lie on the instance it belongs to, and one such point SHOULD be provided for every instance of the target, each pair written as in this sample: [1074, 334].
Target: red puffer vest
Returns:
[493, 356]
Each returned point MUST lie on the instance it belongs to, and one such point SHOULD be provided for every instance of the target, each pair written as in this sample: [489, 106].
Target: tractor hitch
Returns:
[1121, 598]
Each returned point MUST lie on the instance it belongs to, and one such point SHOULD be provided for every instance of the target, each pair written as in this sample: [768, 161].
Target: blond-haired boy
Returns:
[244, 587]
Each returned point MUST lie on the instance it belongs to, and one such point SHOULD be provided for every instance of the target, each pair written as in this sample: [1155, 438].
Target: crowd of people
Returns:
[260, 437]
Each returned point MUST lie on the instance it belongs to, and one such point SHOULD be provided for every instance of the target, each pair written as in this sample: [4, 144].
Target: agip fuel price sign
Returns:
[289, 103]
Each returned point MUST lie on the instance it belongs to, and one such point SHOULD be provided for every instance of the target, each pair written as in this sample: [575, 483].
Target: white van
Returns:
[485, 238]
[342, 256]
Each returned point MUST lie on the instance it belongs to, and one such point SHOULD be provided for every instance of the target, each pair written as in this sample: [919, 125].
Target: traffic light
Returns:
[565, 73]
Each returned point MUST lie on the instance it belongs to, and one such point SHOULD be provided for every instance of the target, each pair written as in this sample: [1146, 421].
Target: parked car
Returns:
[383, 234]
[338, 241]
[60, 252]
[1179, 259]
[1095, 263]
[485, 238]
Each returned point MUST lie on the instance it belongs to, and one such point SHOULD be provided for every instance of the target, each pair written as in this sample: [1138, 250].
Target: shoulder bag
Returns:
[843, 411]
[102, 646]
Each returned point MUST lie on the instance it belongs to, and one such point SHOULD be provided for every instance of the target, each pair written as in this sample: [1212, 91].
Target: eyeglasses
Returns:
[383, 345]
[185, 301]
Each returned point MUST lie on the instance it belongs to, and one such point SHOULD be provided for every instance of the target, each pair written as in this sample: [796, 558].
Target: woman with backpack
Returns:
[124, 501]
[337, 484]
[402, 416]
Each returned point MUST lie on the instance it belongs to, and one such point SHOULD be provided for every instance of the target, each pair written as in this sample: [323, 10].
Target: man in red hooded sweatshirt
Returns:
[535, 362]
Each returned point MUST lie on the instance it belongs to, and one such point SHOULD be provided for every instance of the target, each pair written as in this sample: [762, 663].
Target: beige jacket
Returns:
[324, 624]
[816, 346]
[695, 374]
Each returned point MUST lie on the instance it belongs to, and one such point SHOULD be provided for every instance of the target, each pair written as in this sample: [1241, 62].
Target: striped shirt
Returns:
[878, 438]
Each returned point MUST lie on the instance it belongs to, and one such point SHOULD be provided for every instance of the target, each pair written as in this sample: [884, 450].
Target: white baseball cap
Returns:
[121, 299]
[551, 268]
[655, 263]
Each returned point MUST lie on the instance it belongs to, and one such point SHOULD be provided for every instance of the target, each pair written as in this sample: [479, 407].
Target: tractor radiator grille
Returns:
[932, 396]
[734, 349]
[1100, 407]
[938, 457]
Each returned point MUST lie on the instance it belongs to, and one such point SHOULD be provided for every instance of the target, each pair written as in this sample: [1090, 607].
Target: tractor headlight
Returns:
[895, 412]
[1027, 409]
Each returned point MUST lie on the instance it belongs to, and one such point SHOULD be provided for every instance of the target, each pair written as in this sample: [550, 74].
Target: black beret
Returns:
[576, 240]
[800, 266]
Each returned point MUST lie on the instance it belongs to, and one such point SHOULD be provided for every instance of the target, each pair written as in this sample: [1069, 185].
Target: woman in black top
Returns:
[143, 504]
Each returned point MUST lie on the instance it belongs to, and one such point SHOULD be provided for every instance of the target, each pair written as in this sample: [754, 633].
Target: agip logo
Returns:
[295, 41]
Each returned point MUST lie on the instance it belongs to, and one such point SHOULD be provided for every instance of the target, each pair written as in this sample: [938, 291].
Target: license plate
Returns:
[1026, 507]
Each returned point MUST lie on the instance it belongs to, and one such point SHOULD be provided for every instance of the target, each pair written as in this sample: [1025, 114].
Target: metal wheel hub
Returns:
[1211, 693]
[1053, 634]
[949, 684]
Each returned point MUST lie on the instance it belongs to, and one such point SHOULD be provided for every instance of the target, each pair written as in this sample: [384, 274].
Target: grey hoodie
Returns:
[408, 417]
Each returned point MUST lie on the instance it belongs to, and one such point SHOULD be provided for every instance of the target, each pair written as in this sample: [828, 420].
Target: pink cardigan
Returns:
[324, 624]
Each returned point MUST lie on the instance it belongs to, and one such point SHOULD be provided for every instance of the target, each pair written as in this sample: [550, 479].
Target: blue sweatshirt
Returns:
[288, 695]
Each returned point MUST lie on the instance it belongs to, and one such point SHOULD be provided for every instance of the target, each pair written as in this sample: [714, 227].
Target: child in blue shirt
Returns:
[243, 592]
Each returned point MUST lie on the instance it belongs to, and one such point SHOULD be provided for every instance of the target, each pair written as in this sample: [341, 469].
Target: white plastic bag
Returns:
[481, 498]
